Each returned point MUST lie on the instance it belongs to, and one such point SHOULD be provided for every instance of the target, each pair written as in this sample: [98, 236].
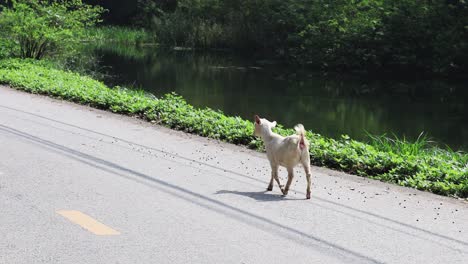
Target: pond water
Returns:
[330, 105]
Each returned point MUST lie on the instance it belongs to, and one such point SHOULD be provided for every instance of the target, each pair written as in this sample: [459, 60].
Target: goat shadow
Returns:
[263, 196]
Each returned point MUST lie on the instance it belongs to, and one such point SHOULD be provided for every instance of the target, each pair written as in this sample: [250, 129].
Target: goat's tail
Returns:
[300, 131]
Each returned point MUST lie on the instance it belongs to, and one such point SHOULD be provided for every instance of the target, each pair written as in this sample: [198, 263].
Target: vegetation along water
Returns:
[346, 69]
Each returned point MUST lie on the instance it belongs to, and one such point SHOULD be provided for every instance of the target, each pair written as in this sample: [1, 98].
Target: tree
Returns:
[34, 28]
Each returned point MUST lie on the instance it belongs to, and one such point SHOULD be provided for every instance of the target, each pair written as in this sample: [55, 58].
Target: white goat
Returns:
[284, 151]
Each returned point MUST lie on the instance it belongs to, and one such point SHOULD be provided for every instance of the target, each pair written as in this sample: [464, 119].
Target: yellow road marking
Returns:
[87, 222]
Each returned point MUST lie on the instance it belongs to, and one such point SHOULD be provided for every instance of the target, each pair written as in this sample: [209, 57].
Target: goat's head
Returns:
[262, 124]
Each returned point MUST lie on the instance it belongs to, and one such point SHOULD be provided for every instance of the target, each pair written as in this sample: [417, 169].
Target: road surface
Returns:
[80, 185]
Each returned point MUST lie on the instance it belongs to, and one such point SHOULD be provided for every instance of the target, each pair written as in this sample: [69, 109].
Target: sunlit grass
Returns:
[401, 145]
[120, 34]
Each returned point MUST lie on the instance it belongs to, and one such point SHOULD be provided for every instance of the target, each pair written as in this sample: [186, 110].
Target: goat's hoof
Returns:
[270, 188]
[308, 196]
[285, 192]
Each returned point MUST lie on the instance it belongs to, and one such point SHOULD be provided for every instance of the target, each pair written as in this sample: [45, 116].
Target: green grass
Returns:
[122, 50]
[124, 35]
[401, 145]
[416, 164]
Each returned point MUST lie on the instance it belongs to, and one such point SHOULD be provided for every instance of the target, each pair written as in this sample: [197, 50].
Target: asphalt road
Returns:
[79, 185]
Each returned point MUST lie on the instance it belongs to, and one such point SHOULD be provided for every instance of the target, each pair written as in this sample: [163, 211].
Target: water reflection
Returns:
[331, 105]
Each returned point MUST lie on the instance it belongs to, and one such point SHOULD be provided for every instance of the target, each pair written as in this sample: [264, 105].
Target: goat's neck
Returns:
[267, 134]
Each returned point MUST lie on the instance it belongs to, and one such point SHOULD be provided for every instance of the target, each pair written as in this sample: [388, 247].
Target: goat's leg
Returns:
[270, 186]
[306, 165]
[274, 171]
[308, 183]
[290, 178]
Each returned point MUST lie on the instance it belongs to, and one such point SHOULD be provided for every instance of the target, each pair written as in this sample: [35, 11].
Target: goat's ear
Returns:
[273, 124]
[257, 119]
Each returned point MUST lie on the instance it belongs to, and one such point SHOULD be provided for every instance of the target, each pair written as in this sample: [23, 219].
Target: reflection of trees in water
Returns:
[328, 105]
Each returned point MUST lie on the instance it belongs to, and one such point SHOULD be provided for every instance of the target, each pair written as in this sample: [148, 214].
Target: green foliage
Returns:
[431, 36]
[34, 28]
[123, 35]
[7, 48]
[414, 164]
[397, 145]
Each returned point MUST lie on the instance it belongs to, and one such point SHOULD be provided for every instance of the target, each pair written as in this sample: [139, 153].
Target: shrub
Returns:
[34, 28]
